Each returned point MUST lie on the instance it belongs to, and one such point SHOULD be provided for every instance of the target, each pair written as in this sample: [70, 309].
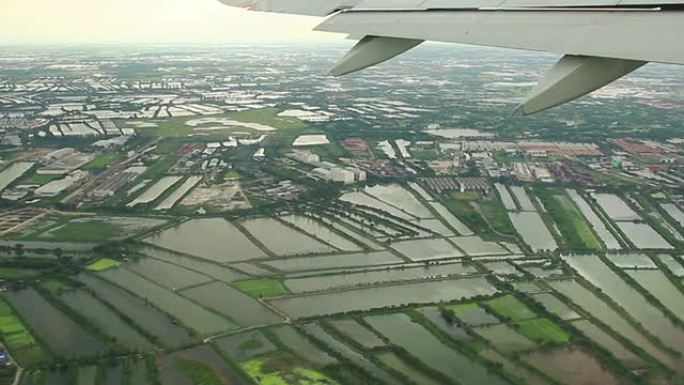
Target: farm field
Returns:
[292, 299]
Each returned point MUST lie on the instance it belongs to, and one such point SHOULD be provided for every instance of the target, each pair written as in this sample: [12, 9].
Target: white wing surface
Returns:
[598, 41]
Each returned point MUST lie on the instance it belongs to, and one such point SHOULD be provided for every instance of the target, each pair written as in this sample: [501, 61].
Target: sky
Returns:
[149, 21]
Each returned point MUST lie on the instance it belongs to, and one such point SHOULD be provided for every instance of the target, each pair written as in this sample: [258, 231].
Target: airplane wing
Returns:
[599, 41]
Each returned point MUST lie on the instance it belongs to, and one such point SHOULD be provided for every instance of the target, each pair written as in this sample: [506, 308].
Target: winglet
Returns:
[573, 77]
[372, 50]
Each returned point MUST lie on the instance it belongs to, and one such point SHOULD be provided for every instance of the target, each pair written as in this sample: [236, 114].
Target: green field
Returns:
[277, 370]
[543, 331]
[199, 372]
[232, 175]
[103, 161]
[12, 273]
[511, 308]
[90, 231]
[177, 127]
[262, 287]
[18, 339]
[268, 116]
[465, 196]
[576, 231]
[39, 179]
[103, 264]
[56, 286]
[496, 216]
[467, 213]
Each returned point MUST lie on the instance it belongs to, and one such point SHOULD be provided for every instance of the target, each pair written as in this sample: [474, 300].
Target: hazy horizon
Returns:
[105, 22]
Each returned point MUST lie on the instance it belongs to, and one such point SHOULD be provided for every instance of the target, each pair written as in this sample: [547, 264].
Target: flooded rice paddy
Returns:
[600, 310]
[302, 346]
[600, 228]
[283, 240]
[505, 339]
[609, 343]
[615, 207]
[427, 249]
[357, 333]
[317, 332]
[209, 269]
[600, 275]
[427, 348]
[190, 314]
[574, 366]
[106, 320]
[384, 296]
[506, 197]
[60, 333]
[367, 278]
[322, 232]
[148, 318]
[532, 229]
[334, 261]
[643, 236]
[214, 239]
[165, 274]
[239, 307]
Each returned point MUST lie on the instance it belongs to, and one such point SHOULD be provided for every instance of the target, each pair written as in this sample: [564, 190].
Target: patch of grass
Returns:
[251, 344]
[543, 331]
[281, 370]
[13, 273]
[90, 231]
[478, 345]
[496, 215]
[465, 196]
[575, 230]
[39, 179]
[461, 307]
[199, 372]
[18, 339]
[465, 212]
[267, 116]
[511, 308]
[330, 151]
[232, 175]
[102, 162]
[103, 264]
[56, 286]
[262, 287]
[177, 127]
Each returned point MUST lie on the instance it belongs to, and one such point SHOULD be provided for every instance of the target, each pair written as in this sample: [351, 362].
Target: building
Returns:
[56, 187]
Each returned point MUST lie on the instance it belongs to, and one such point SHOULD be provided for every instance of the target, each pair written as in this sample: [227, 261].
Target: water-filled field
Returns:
[574, 366]
[243, 309]
[208, 239]
[600, 228]
[107, 321]
[166, 274]
[384, 296]
[427, 348]
[367, 278]
[532, 229]
[189, 313]
[151, 320]
[334, 261]
[283, 240]
[599, 274]
[598, 309]
[207, 268]
[427, 249]
[322, 232]
[62, 335]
